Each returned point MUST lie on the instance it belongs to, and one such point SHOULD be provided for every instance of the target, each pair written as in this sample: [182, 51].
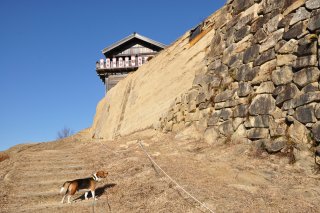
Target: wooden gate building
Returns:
[125, 56]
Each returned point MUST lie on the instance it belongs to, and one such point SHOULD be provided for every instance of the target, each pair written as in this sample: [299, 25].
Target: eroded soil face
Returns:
[227, 177]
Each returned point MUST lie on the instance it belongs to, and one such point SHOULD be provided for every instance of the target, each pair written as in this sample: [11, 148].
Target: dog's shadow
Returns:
[98, 192]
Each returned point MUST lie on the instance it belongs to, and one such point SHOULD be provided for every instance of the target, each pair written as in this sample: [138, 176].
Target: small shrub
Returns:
[65, 132]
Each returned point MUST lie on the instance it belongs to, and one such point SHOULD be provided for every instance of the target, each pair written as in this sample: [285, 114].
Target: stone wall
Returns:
[261, 79]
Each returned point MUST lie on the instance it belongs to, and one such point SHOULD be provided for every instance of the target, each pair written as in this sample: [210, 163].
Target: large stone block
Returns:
[227, 53]
[264, 72]
[276, 145]
[264, 57]
[285, 60]
[280, 44]
[305, 61]
[226, 114]
[206, 89]
[217, 45]
[302, 99]
[259, 22]
[289, 47]
[204, 105]
[282, 75]
[314, 23]
[284, 23]
[299, 15]
[306, 76]
[296, 31]
[216, 82]
[260, 121]
[227, 104]
[305, 114]
[272, 40]
[313, 87]
[285, 92]
[240, 135]
[268, 6]
[241, 111]
[224, 96]
[233, 21]
[277, 128]
[241, 33]
[262, 105]
[260, 36]
[223, 16]
[298, 133]
[214, 118]
[278, 113]
[214, 64]
[244, 44]
[241, 5]
[258, 133]
[192, 95]
[237, 122]
[220, 71]
[244, 89]
[307, 49]
[244, 73]
[272, 24]
[202, 79]
[251, 54]
[201, 98]
[244, 20]
[226, 128]
[236, 60]
[312, 4]
[265, 88]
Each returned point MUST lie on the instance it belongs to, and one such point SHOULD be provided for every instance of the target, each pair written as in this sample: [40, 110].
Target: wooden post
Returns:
[106, 82]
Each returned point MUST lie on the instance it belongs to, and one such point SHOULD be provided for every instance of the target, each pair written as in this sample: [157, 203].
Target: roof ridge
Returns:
[131, 36]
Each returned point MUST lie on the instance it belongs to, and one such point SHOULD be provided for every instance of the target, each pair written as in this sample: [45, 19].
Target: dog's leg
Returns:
[93, 195]
[63, 198]
[86, 195]
[69, 197]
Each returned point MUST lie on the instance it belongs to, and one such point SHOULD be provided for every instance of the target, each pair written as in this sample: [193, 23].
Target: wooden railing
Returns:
[120, 64]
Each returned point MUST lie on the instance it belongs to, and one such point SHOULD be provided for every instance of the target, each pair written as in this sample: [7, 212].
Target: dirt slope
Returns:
[227, 177]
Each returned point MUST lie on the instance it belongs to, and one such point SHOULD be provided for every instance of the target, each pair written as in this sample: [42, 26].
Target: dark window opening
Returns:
[195, 31]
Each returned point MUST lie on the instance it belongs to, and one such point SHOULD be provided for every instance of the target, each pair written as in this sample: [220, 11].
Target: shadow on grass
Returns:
[98, 192]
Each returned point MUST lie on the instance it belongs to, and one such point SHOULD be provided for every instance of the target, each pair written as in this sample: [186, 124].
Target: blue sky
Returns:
[48, 51]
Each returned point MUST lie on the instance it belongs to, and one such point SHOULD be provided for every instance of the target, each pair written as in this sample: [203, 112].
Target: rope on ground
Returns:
[175, 182]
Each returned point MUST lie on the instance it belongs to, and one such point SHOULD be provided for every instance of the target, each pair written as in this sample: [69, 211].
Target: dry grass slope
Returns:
[227, 177]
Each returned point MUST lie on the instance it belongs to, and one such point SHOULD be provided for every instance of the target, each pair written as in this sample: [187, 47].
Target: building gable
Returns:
[133, 41]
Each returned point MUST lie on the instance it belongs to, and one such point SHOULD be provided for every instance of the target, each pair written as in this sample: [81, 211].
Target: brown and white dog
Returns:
[85, 184]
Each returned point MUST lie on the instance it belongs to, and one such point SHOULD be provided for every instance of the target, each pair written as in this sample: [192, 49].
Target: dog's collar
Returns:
[94, 176]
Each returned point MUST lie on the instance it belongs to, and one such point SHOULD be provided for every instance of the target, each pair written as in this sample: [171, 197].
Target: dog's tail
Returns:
[65, 186]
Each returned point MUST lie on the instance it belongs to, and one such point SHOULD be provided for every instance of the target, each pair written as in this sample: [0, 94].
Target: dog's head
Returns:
[99, 175]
